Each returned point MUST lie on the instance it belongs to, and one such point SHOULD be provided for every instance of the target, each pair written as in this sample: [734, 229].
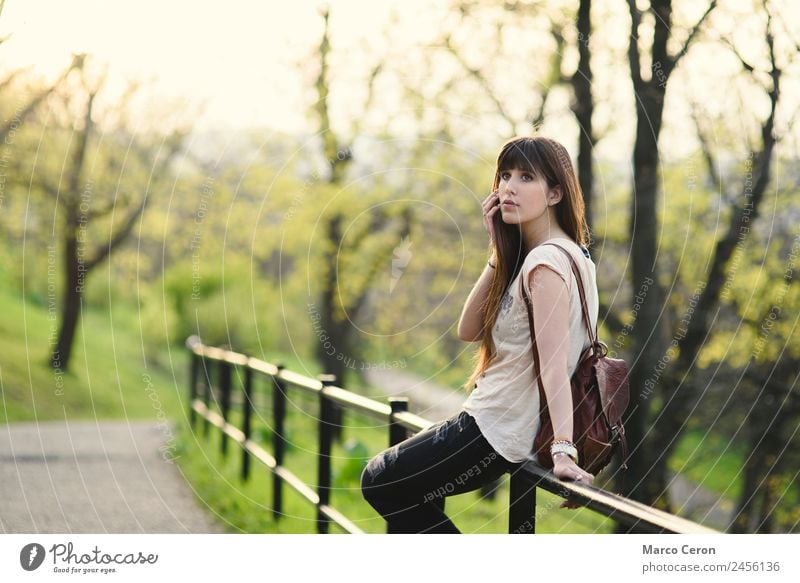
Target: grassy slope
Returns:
[109, 375]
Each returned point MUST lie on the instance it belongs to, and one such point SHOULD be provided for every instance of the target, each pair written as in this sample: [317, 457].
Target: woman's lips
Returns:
[509, 203]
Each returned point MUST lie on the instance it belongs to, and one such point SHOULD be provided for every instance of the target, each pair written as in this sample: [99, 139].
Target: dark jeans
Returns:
[407, 483]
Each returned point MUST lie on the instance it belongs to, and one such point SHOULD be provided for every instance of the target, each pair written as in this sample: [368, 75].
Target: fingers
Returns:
[571, 471]
[580, 476]
[566, 469]
[488, 199]
[490, 207]
[491, 204]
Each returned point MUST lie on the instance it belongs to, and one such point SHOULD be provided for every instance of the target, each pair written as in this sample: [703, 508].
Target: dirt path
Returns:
[94, 477]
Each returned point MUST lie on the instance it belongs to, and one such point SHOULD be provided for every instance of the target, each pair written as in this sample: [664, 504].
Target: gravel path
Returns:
[94, 477]
[436, 402]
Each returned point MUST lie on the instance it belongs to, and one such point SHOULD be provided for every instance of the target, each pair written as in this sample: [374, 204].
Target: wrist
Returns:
[560, 456]
[565, 447]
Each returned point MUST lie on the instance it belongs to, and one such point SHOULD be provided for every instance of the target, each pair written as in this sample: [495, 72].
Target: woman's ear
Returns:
[554, 196]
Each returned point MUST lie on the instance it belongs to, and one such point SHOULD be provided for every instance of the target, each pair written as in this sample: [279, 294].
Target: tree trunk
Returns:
[583, 107]
[771, 429]
[71, 310]
[647, 341]
[333, 350]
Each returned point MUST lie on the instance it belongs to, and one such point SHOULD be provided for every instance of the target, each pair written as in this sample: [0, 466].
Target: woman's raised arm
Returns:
[470, 326]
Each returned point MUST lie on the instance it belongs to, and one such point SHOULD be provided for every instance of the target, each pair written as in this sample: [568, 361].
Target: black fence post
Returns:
[521, 506]
[326, 424]
[207, 392]
[278, 441]
[225, 369]
[194, 365]
[247, 409]
[397, 432]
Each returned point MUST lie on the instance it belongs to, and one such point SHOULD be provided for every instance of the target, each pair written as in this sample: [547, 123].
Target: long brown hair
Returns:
[543, 158]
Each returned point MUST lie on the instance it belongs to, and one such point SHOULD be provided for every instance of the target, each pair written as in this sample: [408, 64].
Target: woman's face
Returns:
[523, 196]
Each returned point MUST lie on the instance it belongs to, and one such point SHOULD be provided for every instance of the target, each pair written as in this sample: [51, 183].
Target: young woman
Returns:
[536, 199]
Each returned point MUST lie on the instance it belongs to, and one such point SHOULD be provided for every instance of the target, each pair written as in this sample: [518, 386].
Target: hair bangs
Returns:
[522, 154]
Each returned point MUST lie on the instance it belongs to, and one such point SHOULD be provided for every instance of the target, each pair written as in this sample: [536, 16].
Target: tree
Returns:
[680, 398]
[647, 333]
[85, 201]
[340, 156]
[334, 316]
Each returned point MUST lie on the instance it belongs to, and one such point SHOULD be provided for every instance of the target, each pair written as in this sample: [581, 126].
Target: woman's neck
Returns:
[533, 236]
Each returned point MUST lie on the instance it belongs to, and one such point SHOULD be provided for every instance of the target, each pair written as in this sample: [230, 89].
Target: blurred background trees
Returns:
[353, 244]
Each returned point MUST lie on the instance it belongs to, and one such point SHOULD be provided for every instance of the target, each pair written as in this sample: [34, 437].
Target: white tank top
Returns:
[505, 400]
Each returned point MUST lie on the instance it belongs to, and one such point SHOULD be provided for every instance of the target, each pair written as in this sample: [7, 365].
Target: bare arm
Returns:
[551, 319]
[470, 326]
[471, 323]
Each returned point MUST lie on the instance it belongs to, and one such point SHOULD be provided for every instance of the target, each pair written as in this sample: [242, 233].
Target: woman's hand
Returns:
[566, 469]
[490, 207]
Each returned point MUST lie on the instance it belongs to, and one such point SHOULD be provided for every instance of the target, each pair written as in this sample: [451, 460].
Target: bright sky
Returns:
[243, 59]
[238, 56]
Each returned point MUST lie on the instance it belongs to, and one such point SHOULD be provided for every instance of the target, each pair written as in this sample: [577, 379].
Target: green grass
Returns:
[710, 460]
[109, 376]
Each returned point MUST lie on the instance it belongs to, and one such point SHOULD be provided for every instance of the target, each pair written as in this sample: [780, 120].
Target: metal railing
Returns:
[523, 483]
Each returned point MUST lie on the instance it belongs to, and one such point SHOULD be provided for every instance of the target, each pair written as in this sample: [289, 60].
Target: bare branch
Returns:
[331, 145]
[744, 212]
[78, 159]
[173, 144]
[705, 147]
[482, 81]
[376, 71]
[747, 66]
[77, 63]
[119, 236]
[674, 61]
[634, 58]
[99, 213]
[555, 76]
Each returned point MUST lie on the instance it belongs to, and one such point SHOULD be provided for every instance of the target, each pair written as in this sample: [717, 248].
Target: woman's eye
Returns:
[527, 177]
[504, 175]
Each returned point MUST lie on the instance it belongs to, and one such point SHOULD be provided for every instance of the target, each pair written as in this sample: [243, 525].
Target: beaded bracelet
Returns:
[564, 441]
[566, 447]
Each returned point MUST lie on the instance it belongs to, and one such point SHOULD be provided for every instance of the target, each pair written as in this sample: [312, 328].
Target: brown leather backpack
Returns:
[600, 396]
